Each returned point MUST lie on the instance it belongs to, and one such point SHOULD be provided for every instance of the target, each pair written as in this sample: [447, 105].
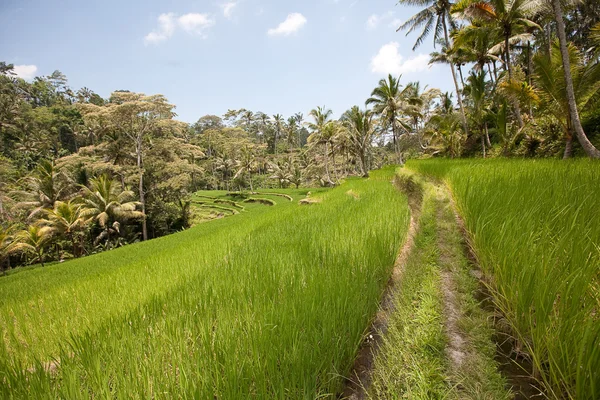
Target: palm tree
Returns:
[105, 202]
[47, 186]
[360, 130]
[6, 245]
[278, 123]
[589, 148]
[437, 16]
[550, 82]
[475, 41]
[33, 240]
[281, 172]
[65, 220]
[292, 127]
[299, 121]
[322, 133]
[511, 19]
[246, 164]
[385, 99]
[248, 118]
[478, 91]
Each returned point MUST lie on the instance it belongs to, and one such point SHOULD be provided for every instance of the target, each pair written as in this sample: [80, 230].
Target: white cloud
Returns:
[375, 20]
[292, 24]
[389, 61]
[26, 72]
[166, 27]
[195, 23]
[192, 23]
[395, 24]
[228, 9]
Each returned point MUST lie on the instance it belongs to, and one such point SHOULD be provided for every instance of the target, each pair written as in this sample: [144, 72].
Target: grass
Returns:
[270, 303]
[534, 227]
[414, 361]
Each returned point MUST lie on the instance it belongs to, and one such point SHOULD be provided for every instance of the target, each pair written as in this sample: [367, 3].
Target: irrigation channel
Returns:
[435, 333]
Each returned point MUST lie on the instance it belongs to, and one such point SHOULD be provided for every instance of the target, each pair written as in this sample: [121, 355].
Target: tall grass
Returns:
[266, 305]
[536, 231]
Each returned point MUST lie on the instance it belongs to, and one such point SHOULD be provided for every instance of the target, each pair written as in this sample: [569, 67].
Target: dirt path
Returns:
[431, 337]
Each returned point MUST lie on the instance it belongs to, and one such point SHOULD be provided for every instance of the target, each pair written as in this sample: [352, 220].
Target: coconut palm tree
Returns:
[33, 240]
[360, 130]
[105, 203]
[246, 164]
[477, 86]
[47, 186]
[435, 15]
[278, 123]
[6, 244]
[386, 102]
[65, 220]
[322, 132]
[550, 82]
[511, 19]
[588, 147]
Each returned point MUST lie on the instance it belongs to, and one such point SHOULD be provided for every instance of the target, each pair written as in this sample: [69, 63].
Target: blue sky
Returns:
[213, 55]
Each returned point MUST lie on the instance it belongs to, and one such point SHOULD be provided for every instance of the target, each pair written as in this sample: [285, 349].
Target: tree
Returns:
[208, 122]
[588, 147]
[478, 94]
[106, 204]
[46, 186]
[246, 164]
[321, 134]
[359, 125]
[436, 15]
[6, 244]
[33, 240]
[137, 117]
[65, 220]
[511, 19]
[278, 123]
[385, 99]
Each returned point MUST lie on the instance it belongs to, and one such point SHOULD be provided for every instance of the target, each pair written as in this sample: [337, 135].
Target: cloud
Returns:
[166, 27]
[372, 21]
[195, 23]
[389, 61]
[192, 23]
[228, 9]
[395, 24]
[26, 72]
[292, 24]
[375, 20]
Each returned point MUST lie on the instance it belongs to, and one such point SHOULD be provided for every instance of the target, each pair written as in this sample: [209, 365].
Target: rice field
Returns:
[535, 227]
[271, 302]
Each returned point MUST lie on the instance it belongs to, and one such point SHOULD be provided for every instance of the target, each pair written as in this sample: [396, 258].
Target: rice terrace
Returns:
[432, 233]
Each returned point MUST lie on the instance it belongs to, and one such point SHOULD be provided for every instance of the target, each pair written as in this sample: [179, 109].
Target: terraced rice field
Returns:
[269, 303]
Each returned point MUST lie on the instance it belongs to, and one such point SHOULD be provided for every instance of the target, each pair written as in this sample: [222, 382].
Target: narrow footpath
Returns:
[431, 338]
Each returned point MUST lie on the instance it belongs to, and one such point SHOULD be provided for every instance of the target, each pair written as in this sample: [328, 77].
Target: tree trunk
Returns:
[327, 164]
[462, 80]
[510, 76]
[568, 147]
[588, 147]
[483, 144]
[487, 136]
[141, 187]
[458, 95]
